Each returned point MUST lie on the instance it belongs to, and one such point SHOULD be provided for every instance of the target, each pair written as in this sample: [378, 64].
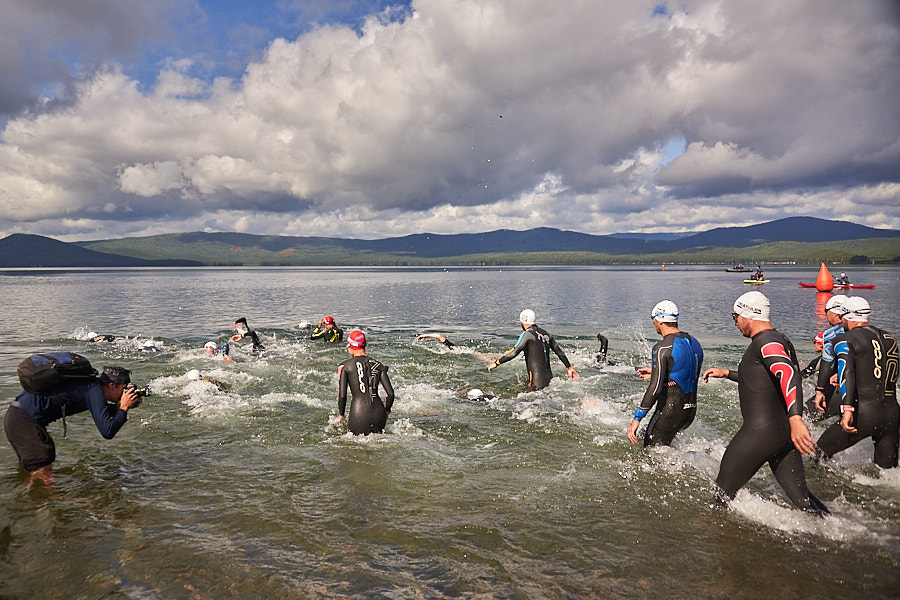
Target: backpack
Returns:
[52, 372]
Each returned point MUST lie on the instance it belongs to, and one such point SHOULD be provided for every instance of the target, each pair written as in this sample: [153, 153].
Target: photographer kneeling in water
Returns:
[109, 397]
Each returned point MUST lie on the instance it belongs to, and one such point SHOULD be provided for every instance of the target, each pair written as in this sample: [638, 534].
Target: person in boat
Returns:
[842, 280]
[758, 275]
[826, 401]
[867, 360]
[108, 397]
[243, 330]
[677, 360]
[363, 375]
[536, 343]
[327, 331]
[771, 398]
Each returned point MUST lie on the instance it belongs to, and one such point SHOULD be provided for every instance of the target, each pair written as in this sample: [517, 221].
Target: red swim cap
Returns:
[329, 320]
[357, 339]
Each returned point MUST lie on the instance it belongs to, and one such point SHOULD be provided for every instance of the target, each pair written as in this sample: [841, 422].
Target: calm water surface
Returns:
[256, 492]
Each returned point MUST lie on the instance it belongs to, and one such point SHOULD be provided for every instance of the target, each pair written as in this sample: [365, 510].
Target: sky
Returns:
[373, 119]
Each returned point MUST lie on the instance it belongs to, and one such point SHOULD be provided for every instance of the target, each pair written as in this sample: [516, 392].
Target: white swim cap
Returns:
[303, 325]
[752, 305]
[194, 375]
[856, 309]
[527, 317]
[836, 304]
[212, 345]
[474, 394]
[665, 312]
[149, 344]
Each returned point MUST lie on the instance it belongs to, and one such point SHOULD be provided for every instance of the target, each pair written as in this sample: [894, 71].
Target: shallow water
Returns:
[256, 492]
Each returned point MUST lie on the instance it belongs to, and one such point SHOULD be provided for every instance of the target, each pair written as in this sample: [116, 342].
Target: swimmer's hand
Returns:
[800, 436]
[847, 422]
[820, 402]
[236, 337]
[492, 366]
[632, 431]
[714, 372]
[573, 374]
[643, 373]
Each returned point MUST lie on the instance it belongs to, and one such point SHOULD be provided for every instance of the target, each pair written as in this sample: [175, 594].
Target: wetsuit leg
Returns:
[538, 380]
[789, 472]
[668, 421]
[887, 437]
[743, 457]
[835, 440]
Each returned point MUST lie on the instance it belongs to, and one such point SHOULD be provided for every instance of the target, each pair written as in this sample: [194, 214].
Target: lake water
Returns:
[256, 492]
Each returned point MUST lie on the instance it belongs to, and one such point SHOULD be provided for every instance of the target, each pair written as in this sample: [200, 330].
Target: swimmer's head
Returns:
[819, 339]
[527, 317]
[194, 375]
[329, 320]
[752, 305]
[303, 324]
[665, 312]
[210, 347]
[474, 394]
[356, 340]
[857, 309]
[836, 304]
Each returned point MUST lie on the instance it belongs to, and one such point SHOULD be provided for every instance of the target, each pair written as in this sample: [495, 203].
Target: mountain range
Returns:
[797, 235]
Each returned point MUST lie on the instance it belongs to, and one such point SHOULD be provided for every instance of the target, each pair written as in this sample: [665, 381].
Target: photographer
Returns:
[109, 398]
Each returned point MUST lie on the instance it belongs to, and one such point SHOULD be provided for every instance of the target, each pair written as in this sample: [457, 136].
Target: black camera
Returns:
[142, 392]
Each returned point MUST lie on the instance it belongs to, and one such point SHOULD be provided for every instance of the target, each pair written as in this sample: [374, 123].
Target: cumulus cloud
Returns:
[469, 116]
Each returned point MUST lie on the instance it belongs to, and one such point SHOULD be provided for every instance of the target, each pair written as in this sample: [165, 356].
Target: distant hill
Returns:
[25, 250]
[791, 229]
[803, 239]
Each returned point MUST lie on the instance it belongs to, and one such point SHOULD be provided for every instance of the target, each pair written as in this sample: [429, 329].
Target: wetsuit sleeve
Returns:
[342, 389]
[732, 375]
[448, 343]
[109, 418]
[339, 334]
[317, 333]
[515, 350]
[826, 365]
[846, 372]
[559, 352]
[385, 382]
[659, 374]
[783, 369]
[811, 367]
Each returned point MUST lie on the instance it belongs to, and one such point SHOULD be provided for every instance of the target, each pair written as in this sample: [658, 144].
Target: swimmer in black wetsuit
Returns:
[362, 375]
[677, 361]
[438, 336]
[536, 343]
[327, 331]
[602, 359]
[771, 397]
[868, 362]
[243, 330]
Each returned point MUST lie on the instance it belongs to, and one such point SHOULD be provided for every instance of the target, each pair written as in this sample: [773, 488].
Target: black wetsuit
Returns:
[257, 345]
[363, 375]
[604, 345]
[868, 362]
[536, 343]
[329, 335]
[677, 361]
[769, 387]
[827, 368]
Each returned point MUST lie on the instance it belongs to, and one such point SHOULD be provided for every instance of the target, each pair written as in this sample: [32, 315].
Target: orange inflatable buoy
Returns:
[824, 282]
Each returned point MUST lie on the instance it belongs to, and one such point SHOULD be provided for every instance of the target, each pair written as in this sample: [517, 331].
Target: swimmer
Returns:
[450, 345]
[196, 375]
[602, 359]
[536, 343]
[212, 349]
[327, 331]
[868, 360]
[362, 375]
[813, 366]
[243, 330]
[677, 362]
[771, 398]
[826, 401]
